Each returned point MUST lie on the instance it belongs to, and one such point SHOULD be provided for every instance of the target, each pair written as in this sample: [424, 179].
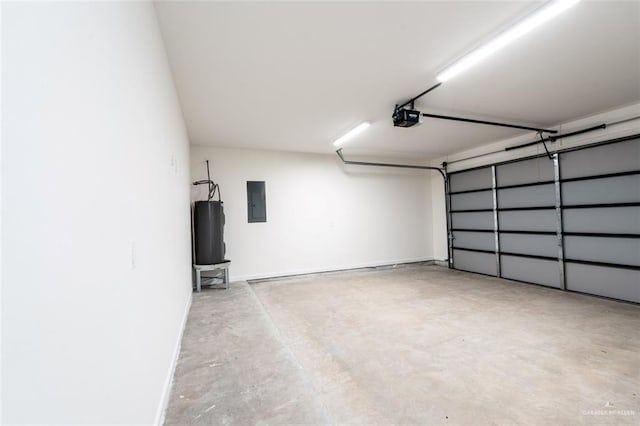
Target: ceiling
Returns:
[295, 76]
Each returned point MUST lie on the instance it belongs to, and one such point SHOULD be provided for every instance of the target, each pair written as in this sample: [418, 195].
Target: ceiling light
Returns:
[551, 10]
[351, 133]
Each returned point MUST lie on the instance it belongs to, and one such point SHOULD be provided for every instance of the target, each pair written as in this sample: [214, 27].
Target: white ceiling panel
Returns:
[295, 76]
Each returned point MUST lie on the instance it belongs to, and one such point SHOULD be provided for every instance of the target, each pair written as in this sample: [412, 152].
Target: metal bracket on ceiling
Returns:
[412, 101]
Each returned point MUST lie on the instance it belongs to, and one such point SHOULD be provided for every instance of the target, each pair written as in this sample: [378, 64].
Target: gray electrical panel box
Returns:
[256, 201]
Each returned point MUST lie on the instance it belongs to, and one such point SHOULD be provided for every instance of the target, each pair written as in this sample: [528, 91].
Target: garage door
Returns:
[572, 222]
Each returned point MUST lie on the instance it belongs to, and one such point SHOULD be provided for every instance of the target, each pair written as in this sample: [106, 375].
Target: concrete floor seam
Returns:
[305, 376]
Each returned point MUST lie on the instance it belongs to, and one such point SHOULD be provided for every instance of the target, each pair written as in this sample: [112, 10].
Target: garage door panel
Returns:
[622, 220]
[620, 189]
[529, 196]
[617, 283]
[474, 240]
[537, 245]
[471, 180]
[537, 271]
[484, 263]
[600, 220]
[472, 200]
[534, 220]
[482, 220]
[527, 171]
[604, 159]
[625, 251]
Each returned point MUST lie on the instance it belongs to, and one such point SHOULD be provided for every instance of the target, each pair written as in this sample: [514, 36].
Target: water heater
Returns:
[208, 232]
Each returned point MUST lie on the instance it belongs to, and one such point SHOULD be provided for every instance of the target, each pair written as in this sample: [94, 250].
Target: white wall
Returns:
[95, 219]
[497, 154]
[1, 210]
[439, 220]
[321, 215]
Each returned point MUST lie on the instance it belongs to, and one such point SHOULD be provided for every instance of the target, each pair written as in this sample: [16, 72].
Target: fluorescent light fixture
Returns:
[351, 133]
[549, 11]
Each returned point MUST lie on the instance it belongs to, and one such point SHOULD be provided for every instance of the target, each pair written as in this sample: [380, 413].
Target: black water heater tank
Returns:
[208, 230]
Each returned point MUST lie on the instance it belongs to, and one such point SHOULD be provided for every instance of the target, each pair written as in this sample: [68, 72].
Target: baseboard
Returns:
[441, 262]
[166, 391]
[328, 269]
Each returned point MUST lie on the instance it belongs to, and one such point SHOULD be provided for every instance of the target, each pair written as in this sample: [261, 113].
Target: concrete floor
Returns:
[413, 345]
